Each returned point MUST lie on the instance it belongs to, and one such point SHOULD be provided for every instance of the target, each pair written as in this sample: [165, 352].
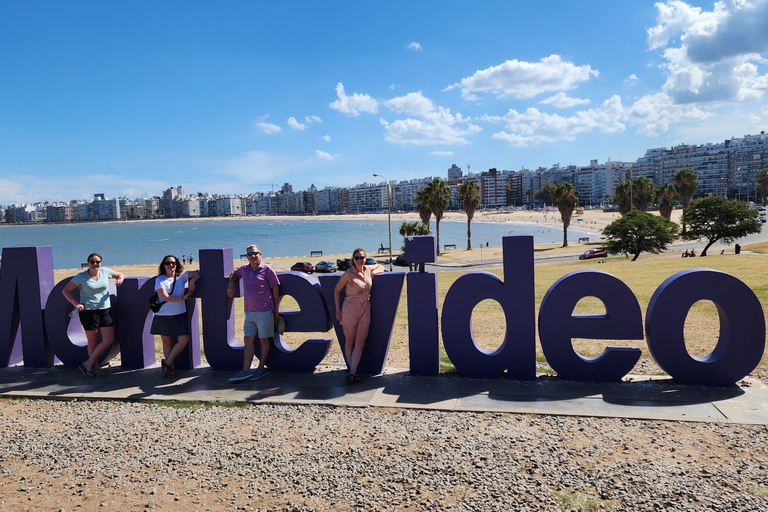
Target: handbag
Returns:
[154, 301]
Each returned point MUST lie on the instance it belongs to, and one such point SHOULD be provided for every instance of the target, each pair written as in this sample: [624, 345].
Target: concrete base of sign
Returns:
[639, 397]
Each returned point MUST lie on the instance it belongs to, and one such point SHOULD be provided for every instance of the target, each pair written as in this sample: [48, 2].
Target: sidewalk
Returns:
[639, 397]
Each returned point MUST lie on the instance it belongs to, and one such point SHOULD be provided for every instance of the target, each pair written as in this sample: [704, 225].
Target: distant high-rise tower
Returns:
[454, 173]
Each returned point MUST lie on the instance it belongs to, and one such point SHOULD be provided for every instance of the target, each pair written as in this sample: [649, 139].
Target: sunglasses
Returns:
[170, 263]
[253, 253]
[359, 257]
[95, 262]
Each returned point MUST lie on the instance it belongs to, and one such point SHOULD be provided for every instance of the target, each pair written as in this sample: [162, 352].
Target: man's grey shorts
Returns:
[260, 324]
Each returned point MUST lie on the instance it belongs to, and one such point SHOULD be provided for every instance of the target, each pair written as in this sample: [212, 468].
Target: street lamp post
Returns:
[389, 216]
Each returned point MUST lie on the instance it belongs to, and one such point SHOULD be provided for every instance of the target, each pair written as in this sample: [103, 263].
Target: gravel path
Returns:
[135, 456]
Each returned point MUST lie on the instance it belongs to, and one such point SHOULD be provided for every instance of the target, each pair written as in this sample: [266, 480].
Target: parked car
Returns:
[344, 264]
[325, 266]
[370, 261]
[400, 261]
[594, 253]
[303, 266]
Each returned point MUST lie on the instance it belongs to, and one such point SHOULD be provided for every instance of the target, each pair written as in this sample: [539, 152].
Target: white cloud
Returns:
[414, 46]
[441, 153]
[268, 128]
[293, 123]
[413, 103]
[532, 127]
[523, 80]
[326, 138]
[654, 114]
[712, 56]
[353, 105]
[322, 155]
[436, 128]
[313, 119]
[562, 100]
[631, 79]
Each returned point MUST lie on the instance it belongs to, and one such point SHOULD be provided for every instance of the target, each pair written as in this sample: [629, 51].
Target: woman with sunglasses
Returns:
[173, 285]
[355, 315]
[94, 310]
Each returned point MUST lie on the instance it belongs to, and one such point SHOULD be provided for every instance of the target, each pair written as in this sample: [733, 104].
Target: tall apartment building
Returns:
[454, 173]
[367, 197]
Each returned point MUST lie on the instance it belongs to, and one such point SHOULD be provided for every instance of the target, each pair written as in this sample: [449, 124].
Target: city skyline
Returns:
[131, 101]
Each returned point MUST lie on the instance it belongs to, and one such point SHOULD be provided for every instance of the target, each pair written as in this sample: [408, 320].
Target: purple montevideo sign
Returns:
[517, 353]
[35, 328]
[312, 317]
[558, 326]
[385, 297]
[27, 280]
[741, 342]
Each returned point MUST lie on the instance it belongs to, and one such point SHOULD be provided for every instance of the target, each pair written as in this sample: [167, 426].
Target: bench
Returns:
[383, 250]
[583, 239]
[449, 246]
[83, 265]
[243, 256]
[315, 253]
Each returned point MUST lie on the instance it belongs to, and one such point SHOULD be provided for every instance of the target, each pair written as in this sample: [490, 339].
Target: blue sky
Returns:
[130, 98]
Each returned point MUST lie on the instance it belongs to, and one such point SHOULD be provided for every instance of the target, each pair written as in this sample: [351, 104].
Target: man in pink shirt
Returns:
[262, 298]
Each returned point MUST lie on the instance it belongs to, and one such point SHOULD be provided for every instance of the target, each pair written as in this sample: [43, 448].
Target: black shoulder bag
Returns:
[154, 301]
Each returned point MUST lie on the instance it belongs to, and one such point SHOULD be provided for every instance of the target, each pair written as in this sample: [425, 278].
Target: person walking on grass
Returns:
[262, 298]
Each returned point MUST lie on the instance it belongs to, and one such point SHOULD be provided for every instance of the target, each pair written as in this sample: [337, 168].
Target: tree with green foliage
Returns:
[469, 198]
[686, 183]
[529, 195]
[622, 197]
[762, 183]
[667, 197]
[411, 229]
[566, 199]
[545, 193]
[637, 232]
[643, 193]
[718, 219]
[422, 205]
[435, 196]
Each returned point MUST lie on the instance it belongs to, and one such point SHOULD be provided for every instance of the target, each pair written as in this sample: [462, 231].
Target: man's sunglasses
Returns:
[253, 253]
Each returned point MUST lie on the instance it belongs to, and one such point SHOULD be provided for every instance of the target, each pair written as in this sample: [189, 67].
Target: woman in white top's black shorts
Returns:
[171, 321]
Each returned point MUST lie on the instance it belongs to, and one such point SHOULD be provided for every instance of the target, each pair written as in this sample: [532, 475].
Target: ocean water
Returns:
[142, 242]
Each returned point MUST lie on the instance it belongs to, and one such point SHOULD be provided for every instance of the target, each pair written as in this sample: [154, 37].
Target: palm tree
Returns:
[529, 195]
[439, 197]
[668, 197]
[422, 205]
[622, 196]
[686, 182]
[469, 197]
[762, 183]
[643, 193]
[566, 199]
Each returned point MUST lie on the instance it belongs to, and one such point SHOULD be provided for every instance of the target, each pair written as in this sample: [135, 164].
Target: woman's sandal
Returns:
[356, 379]
[350, 379]
[166, 368]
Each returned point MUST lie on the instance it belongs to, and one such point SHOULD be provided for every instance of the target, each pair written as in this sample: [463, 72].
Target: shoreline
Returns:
[589, 220]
